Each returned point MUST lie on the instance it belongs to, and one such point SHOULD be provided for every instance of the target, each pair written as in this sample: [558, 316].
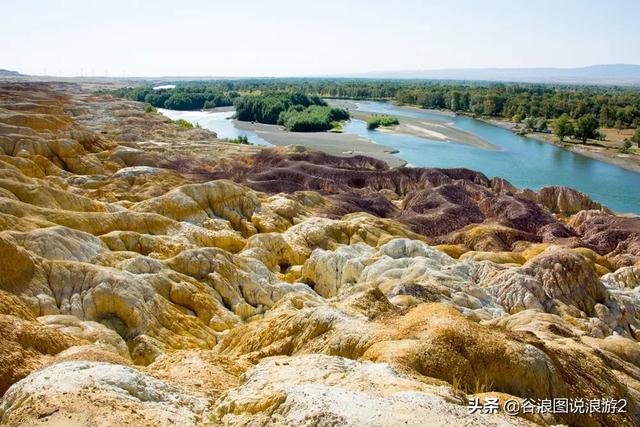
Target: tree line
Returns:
[184, 98]
[612, 106]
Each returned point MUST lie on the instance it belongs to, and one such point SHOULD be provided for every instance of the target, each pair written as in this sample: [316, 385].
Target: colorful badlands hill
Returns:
[154, 275]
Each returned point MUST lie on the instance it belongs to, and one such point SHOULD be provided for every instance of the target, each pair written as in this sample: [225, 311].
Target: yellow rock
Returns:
[454, 251]
[598, 260]
[533, 250]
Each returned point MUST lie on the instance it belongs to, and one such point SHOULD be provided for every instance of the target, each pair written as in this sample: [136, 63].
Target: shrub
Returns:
[314, 118]
[377, 121]
[541, 124]
[530, 123]
[183, 123]
[240, 140]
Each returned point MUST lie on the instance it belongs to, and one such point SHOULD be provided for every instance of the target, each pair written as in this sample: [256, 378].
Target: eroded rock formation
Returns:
[154, 275]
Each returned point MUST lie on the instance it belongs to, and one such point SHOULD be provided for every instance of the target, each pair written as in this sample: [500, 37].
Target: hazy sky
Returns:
[284, 38]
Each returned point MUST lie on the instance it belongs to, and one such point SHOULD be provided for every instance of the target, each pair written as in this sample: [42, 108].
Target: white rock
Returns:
[73, 387]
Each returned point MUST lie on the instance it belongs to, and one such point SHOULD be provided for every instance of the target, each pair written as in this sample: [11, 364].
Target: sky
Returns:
[310, 38]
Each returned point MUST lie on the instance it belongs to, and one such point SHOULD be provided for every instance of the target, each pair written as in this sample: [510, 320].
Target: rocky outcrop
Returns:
[616, 237]
[67, 393]
[566, 201]
[286, 391]
[435, 341]
[25, 344]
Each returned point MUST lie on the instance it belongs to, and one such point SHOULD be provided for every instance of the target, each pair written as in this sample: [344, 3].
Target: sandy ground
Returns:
[605, 154]
[427, 110]
[431, 129]
[220, 109]
[340, 144]
[352, 105]
[617, 136]
[342, 103]
[497, 122]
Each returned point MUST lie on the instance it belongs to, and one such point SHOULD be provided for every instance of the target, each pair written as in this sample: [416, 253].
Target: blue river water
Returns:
[525, 162]
[218, 121]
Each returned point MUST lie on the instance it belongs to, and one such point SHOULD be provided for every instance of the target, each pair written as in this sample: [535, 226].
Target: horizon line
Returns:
[329, 75]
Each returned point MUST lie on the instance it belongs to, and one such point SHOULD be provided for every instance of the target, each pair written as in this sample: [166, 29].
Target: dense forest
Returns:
[184, 97]
[294, 110]
[612, 106]
[266, 108]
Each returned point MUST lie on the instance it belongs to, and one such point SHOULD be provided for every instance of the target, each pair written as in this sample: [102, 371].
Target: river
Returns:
[525, 162]
[218, 121]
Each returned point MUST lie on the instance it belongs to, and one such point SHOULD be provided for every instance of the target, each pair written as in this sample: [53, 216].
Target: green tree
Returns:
[530, 123]
[489, 107]
[607, 116]
[587, 127]
[456, 101]
[563, 127]
[636, 136]
[541, 124]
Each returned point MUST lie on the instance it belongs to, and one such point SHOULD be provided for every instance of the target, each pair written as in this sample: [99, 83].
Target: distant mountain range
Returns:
[605, 74]
[9, 73]
[610, 74]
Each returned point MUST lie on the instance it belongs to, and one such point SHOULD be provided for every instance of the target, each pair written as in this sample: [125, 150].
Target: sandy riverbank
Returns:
[353, 105]
[629, 162]
[610, 155]
[426, 110]
[431, 129]
[225, 109]
[340, 144]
